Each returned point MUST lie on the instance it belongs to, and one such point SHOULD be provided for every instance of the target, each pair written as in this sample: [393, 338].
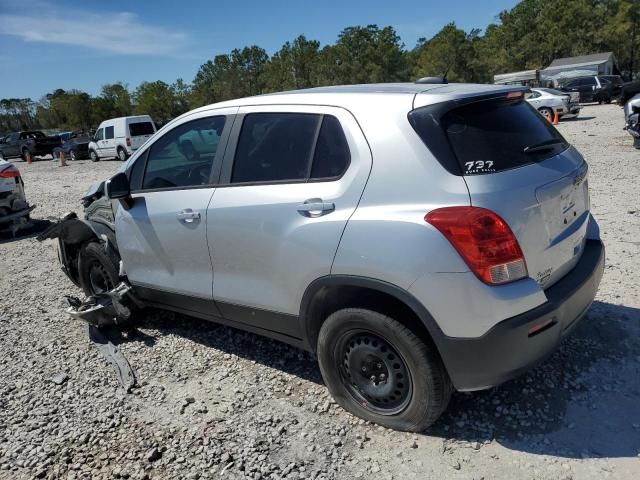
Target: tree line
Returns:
[529, 36]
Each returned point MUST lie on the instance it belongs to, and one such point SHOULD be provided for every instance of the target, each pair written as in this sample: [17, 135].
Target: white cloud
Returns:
[117, 32]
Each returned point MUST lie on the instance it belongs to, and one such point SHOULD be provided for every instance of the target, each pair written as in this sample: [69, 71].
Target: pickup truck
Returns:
[27, 144]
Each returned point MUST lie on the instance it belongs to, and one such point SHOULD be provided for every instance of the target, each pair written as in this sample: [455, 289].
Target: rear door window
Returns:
[140, 128]
[275, 147]
[489, 136]
[108, 133]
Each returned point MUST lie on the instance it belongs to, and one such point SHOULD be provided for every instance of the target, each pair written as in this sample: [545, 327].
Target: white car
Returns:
[549, 101]
[14, 209]
[120, 137]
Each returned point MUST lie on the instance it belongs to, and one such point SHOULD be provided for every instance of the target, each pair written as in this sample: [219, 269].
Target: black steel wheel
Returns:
[98, 270]
[380, 370]
[374, 372]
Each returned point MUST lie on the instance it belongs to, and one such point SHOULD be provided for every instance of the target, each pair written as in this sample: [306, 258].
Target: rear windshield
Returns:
[141, 128]
[489, 136]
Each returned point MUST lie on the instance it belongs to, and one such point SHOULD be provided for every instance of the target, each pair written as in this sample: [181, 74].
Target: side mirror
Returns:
[118, 186]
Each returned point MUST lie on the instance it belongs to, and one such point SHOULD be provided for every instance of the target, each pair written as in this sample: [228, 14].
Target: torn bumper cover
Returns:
[103, 309]
[104, 313]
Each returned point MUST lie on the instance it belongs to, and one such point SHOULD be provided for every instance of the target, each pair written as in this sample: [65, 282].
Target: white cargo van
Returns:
[120, 137]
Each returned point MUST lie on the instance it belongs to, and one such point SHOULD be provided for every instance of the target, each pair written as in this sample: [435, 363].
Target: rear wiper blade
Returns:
[546, 145]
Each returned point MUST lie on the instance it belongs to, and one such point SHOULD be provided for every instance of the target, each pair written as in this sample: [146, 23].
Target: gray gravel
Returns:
[219, 403]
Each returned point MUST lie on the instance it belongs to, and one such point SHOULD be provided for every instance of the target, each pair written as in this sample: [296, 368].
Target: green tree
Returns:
[157, 99]
[450, 52]
[17, 114]
[364, 55]
[295, 65]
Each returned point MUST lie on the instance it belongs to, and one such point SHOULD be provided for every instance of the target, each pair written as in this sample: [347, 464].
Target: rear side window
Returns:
[332, 156]
[488, 136]
[279, 147]
[108, 133]
[140, 128]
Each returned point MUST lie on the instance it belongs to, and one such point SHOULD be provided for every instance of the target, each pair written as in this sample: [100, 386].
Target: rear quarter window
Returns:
[487, 136]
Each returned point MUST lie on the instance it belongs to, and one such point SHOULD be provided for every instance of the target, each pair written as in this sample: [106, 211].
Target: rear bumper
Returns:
[507, 350]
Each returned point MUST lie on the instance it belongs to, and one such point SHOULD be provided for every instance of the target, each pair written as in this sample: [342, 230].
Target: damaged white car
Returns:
[14, 209]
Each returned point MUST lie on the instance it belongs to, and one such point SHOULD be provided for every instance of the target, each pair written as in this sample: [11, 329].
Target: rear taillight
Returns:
[10, 172]
[483, 240]
[128, 142]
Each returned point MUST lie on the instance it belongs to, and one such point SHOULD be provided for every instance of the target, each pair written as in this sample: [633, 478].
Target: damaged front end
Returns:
[106, 313]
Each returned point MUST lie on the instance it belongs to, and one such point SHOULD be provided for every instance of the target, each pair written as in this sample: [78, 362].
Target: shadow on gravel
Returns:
[582, 402]
[247, 345]
[577, 119]
[36, 227]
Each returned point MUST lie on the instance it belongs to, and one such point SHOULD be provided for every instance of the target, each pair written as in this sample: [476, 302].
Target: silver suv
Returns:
[418, 238]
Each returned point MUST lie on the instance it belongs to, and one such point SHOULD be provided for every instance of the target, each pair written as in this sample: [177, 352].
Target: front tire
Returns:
[93, 156]
[98, 270]
[26, 155]
[72, 155]
[380, 371]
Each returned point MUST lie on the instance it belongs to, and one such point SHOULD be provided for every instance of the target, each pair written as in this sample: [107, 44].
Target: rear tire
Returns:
[122, 154]
[93, 156]
[26, 155]
[98, 271]
[72, 155]
[546, 113]
[380, 371]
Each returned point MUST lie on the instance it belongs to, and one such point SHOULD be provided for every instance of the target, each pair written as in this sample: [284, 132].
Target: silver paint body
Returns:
[252, 247]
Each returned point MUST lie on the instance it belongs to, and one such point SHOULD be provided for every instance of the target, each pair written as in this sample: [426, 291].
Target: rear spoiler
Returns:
[459, 96]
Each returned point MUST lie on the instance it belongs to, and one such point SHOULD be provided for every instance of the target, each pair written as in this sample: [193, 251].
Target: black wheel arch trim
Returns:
[71, 233]
[395, 291]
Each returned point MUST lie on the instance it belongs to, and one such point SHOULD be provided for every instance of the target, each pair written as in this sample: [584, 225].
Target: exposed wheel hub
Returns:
[99, 278]
[374, 373]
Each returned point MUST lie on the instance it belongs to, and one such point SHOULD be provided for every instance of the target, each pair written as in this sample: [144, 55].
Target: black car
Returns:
[593, 89]
[76, 147]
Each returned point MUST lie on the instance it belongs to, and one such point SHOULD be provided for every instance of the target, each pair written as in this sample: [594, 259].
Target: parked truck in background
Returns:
[28, 144]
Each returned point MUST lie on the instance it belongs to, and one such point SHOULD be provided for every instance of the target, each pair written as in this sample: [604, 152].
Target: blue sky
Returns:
[46, 44]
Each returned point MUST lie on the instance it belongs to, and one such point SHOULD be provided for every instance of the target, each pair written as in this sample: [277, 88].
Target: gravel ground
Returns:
[219, 403]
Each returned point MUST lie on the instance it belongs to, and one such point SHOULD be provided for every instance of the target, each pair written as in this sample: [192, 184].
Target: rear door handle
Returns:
[188, 216]
[315, 207]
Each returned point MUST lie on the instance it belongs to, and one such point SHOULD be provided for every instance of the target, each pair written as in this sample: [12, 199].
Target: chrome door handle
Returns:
[315, 207]
[188, 216]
